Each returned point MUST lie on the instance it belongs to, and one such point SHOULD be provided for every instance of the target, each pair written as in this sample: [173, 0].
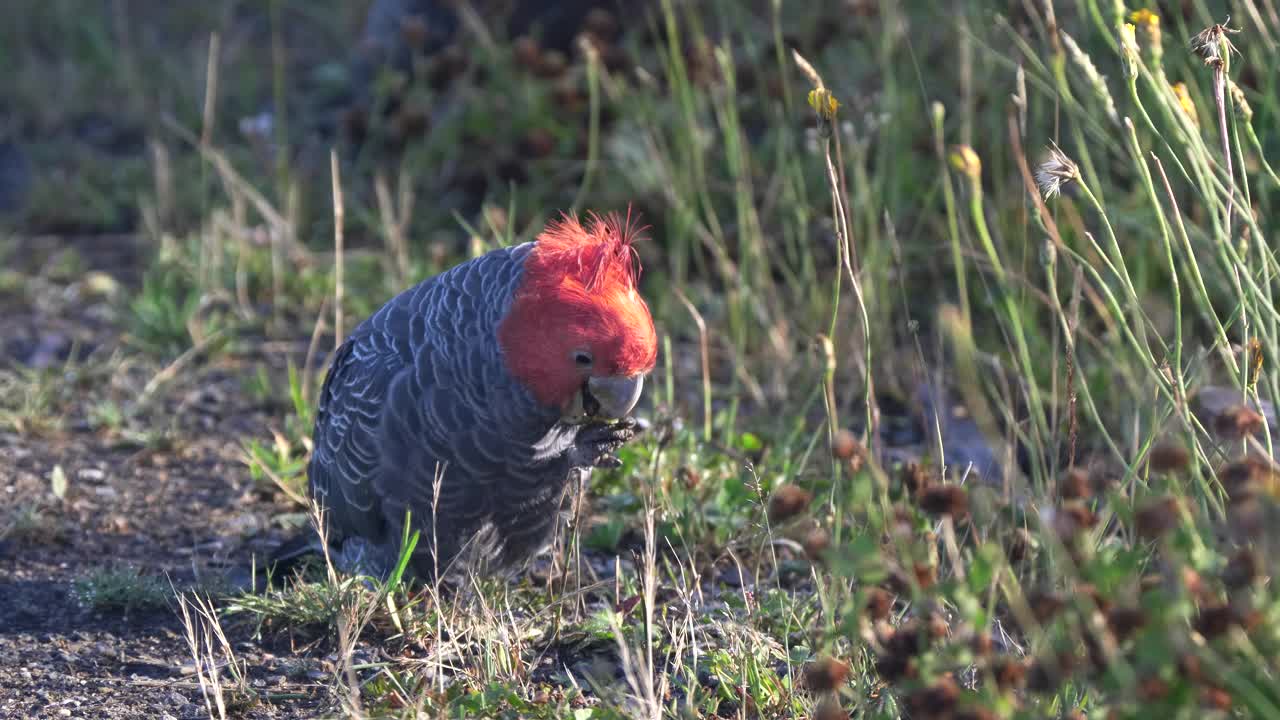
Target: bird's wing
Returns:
[347, 455]
[419, 392]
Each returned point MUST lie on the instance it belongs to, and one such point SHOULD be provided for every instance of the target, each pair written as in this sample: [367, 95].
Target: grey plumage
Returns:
[419, 393]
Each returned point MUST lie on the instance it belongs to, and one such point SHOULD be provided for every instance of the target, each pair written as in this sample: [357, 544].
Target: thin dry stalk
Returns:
[395, 222]
[210, 91]
[704, 350]
[313, 345]
[339, 215]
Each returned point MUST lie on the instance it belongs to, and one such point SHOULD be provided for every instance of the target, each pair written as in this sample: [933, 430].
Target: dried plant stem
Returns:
[339, 216]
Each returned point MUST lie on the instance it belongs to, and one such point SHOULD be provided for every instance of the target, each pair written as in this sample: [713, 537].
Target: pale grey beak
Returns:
[615, 396]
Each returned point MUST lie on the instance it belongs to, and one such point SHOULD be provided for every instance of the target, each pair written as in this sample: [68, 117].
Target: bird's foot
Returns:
[598, 443]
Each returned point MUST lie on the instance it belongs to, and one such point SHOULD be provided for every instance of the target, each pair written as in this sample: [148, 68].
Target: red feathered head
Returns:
[577, 314]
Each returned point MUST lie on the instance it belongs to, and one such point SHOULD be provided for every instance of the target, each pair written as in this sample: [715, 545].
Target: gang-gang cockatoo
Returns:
[475, 399]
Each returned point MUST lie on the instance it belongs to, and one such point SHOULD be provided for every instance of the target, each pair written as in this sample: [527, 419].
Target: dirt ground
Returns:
[184, 508]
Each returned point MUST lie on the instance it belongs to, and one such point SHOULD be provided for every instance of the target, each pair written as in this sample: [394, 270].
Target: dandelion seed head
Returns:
[1212, 42]
[1055, 172]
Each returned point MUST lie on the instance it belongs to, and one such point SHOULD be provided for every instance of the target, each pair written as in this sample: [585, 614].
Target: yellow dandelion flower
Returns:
[1145, 17]
[1129, 48]
[824, 103]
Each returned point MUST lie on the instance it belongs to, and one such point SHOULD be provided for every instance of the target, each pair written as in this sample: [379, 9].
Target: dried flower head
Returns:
[788, 501]
[1055, 172]
[1238, 422]
[936, 700]
[1009, 672]
[879, 603]
[981, 643]
[1045, 605]
[1152, 689]
[1075, 485]
[951, 500]
[1156, 517]
[1212, 43]
[824, 674]
[830, 709]
[1245, 478]
[915, 477]
[1215, 698]
[816, 543]
[1071, 519]
[844, 445]
[1124, 621]
[1167, 457]
[1215, 620]
[1241, 570]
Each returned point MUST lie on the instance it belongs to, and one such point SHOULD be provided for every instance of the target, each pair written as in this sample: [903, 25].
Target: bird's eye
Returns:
[582, 358]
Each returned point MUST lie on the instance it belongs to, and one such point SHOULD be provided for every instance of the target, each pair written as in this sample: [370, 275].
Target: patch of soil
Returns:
[186, 510]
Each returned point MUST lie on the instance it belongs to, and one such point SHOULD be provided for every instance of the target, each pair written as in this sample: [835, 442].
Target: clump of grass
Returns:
[123, 589]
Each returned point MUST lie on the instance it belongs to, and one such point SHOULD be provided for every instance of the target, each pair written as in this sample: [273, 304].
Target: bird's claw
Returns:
[602, 441]
[608, 462]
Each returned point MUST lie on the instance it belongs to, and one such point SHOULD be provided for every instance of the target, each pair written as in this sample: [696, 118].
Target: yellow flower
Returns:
[1129, 48]
[1185, 102]
[964, 159]
[822, 101]
[1145, 17]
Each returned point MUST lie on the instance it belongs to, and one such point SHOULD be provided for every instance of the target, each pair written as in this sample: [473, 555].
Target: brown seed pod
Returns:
[1125, 621]
[1019, 545]
[1046, 674]
[1168, 458]
[410, 122]
[1010, 672]
[1076, 485]
[1238, 422]
[1189, 667]
[787, 502]
[1152, 689]
[830, 709]
[981, 644]
[879, 603]
[527, 52]
[895, 667]
[950, 500]
[816, 543]
[915, 478]
[926, 574]
[551, 64]
[1247, 477]
[1045, 605]
[1215, 698]
[1090, 591]
[824, 674]
[936, 700]
[1071, 519]
[1215, 620]
[1241, 570]
[1157, 517]
[538, 143]
[844, 444]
